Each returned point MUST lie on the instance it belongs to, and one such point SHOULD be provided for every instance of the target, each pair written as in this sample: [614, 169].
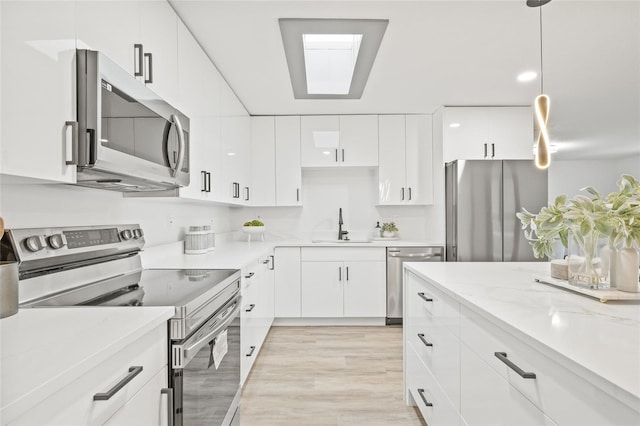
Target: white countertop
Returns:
[237, 254]
[44, 349]
[599, 341]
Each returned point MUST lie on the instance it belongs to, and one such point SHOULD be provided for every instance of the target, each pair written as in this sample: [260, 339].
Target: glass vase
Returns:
[589, 260]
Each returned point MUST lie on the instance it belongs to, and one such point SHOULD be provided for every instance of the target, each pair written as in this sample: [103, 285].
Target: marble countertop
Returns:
[44, 349]
[599, 341]
[237, 254]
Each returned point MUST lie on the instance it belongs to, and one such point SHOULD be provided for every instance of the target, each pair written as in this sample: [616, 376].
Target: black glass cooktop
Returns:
[150, 287]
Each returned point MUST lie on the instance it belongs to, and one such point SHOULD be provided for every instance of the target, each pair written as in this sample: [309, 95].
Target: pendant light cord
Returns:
[541, 68]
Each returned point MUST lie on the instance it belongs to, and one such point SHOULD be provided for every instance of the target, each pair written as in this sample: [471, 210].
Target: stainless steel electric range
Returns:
[101, 266]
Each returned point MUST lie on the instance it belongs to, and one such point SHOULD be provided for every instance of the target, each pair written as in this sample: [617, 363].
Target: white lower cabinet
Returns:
[488, 399]
[287, 282]
[339, 282]
[144, 363]
[150, 406]
[256, 314]
[488, 375]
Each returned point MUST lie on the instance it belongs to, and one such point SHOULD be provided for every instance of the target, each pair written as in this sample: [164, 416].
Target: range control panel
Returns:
[86, 241]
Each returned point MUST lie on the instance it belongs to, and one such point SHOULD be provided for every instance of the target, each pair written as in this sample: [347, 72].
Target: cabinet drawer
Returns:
[148, 407]
[429, 307]
[560, 393]
[421, 384]
[442, 358]
[487, 399]
[74, 404]
[340, 254]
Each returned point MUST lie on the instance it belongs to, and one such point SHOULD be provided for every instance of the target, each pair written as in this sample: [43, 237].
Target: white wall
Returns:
[355, 190]
[568, 177]
[163, 220]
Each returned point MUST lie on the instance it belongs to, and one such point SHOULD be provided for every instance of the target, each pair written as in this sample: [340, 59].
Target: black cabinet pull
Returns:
[251, 349]
[149, 58]
[347, 273]
[251, 274]
[485, 150]
[336, 155]
[502, 356]
[425, 298]
[208, 181]
[421, 336]
[403, 194]
[133, 372]
[137, 52]
[204, 181]
[246, 191]
[409, 193]
[493, 150]
[264, 262]
[250, 308]
[297, 194]
[339, 273]
[343, 155]
[424, 399]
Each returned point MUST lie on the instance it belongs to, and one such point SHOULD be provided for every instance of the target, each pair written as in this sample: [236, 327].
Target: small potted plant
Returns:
[389, 230]
[253, 227]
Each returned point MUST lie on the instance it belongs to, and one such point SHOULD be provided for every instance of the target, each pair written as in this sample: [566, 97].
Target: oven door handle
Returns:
[182, 354]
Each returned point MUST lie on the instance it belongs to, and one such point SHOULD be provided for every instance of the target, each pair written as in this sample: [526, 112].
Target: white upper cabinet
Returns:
[476, 133]
[320, 140]
[287, 167]
[236, 141]
[347, 140]
[359, 140]
[405, 173]
[263, 161]
[199, 89]
[139, 36]
[112, 28]
[38, 89]
[158, 36]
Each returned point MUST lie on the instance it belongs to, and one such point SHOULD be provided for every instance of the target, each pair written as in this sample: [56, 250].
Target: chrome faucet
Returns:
[341, 233]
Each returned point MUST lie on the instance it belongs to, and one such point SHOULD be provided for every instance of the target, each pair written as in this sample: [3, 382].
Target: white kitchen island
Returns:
[465, 322]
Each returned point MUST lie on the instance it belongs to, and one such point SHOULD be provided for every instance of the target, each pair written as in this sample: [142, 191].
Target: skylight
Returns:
[330, 60]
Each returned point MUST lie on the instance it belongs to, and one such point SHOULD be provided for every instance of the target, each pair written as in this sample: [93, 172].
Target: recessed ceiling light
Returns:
[527, 76]
[454, 125]
[330, 58]
[231, 154]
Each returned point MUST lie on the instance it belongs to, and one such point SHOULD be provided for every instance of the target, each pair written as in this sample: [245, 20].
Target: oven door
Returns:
[125, 129]
[205, 373]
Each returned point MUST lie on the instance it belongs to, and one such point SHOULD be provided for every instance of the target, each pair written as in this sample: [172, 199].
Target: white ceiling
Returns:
[438, 53]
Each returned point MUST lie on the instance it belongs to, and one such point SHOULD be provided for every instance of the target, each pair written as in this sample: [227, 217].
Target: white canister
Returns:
[196, 240]
[627, 270]
[211, 238]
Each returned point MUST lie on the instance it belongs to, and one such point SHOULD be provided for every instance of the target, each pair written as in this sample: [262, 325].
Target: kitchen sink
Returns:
[339, 241]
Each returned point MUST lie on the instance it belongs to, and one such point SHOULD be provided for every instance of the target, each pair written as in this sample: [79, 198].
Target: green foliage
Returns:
[390, 226]
[616, 216]
[255, 222]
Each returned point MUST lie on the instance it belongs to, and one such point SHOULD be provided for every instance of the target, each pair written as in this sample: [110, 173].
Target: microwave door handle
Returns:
[181, 148]
[191, 351]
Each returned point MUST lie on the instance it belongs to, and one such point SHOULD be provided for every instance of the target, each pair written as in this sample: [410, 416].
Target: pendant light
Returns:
[541, 105]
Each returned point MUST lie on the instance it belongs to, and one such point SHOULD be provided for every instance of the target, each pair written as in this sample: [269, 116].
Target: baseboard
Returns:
[302, 322]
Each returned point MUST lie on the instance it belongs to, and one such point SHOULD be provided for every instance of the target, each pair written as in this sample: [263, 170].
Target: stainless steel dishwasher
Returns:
[396, 256]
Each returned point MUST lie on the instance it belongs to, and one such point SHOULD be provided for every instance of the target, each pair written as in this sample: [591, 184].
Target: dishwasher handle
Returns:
[414, 255]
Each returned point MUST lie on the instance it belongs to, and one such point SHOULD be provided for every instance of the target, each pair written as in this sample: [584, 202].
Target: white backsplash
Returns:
[163, 220]
[355, 191]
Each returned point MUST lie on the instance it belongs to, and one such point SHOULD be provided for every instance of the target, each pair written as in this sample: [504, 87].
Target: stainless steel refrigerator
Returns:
[482, 199]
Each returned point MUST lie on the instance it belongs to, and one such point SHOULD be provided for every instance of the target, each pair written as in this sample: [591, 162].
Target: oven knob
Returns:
[126, 234]
[137, 233]
[34, 243]
[57, 241]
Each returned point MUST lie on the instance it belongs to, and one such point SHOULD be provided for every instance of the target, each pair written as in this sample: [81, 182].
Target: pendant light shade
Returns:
[541, 111]
[541, 105]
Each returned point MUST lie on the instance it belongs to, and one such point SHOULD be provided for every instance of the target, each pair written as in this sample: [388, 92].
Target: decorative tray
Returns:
[603, 295]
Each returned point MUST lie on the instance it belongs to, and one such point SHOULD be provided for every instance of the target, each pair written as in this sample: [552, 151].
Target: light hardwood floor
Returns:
[329, 376]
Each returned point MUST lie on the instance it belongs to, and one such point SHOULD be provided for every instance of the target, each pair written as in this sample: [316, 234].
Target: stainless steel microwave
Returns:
[128, 139]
